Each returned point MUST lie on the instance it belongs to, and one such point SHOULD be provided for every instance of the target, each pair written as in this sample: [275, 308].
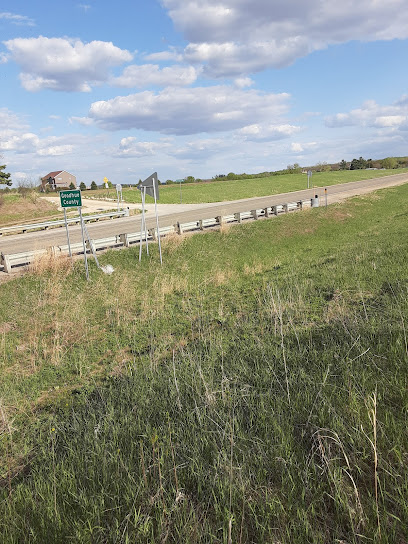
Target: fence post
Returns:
[238, 217]
[254, 214]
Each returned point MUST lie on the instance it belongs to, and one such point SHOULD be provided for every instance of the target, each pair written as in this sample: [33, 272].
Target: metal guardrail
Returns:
[16, 229]
[125, 240]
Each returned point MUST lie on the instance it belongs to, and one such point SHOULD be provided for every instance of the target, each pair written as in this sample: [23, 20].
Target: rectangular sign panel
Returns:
[70, 199]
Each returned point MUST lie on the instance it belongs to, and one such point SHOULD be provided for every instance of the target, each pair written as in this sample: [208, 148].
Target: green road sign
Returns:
[70, 199]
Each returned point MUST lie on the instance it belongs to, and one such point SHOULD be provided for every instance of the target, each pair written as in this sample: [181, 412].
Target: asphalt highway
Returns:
[42, 239]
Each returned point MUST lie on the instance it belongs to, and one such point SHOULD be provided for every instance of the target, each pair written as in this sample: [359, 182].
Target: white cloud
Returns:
[242, 82]
[55, 150]
[150, 74]
[297, 147]
[84, 121]
[268, 132]
[244, 36]
[202, 148]
[189, 111]
[132, 147]
[171, 54]
[64, 64]
[21, 20]
[371, 114]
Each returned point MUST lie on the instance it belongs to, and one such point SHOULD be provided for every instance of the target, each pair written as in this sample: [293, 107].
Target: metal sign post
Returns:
[149, 186]
[70, 199]
[309, 175]
[66, 228]
[180, 181]
[83, 244]
[119, 194]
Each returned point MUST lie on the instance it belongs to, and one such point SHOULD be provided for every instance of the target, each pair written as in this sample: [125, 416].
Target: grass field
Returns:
[16, 209]
[252, 390]
[219, 191]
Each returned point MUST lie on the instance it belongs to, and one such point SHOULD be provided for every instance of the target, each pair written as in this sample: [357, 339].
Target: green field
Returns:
[219, 191]
[254, 389]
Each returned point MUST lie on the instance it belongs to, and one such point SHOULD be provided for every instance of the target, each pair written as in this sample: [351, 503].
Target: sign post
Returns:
[149, 186]
[119, 194]
[309, 175]
[73, 199]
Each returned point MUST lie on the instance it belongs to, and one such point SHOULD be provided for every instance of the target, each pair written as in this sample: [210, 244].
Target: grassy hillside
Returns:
[219, 191]
[16, 208]
[252, 390]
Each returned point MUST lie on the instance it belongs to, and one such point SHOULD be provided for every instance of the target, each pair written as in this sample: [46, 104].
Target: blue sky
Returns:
[181, 87]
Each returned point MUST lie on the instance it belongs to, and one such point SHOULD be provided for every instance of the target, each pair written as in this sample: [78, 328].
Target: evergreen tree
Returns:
[93, 186]
[82, 186]
[4, 176]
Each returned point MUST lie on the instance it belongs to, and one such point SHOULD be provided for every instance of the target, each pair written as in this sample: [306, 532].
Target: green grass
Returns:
[16, 208]
[219, 191]
[253, 389]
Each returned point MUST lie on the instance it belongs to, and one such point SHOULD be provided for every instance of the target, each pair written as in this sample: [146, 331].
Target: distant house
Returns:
[58, 180]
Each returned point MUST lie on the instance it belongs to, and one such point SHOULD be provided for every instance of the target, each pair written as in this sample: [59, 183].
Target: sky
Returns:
[199, 87]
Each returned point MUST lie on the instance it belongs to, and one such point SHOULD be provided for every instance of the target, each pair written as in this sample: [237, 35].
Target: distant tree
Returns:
[322, 167]
[294, 168]
[189, 179]
[389, 163]
[71, 186]
[82, 186]
[358, 164]
[343, 165]
[4, 176]
[93, 186]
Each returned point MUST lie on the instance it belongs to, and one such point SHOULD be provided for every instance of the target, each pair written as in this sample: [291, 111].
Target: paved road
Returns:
[171, 213]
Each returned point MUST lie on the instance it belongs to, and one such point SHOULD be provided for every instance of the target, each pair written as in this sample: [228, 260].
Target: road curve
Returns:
[54, 237]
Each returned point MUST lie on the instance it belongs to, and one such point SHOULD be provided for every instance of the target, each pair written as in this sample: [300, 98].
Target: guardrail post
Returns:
[152, 233]
[6, 263]
[178, 228]
[200, 224]
[300, 205]
[218, 218]
[127, 212]
[238, 217]
[285, 208]
[266, 212]
[274, 210]
[124, 238]
[254, 214]
[90, 245]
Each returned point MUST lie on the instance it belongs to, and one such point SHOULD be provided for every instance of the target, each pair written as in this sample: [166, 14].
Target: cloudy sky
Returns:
[187, 87]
